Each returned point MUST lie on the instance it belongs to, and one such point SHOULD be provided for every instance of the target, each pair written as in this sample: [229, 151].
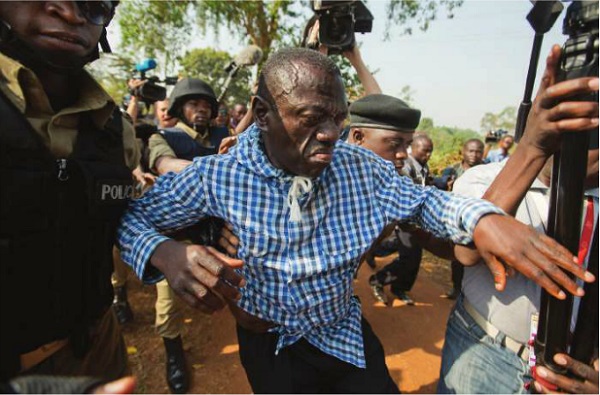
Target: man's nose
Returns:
[66, 10]
[401, 154]
[328, 134]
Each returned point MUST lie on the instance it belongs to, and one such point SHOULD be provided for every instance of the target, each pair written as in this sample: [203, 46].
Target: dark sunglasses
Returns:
[97, 12]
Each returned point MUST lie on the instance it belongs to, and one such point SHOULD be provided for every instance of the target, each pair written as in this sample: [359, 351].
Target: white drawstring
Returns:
[300, 185]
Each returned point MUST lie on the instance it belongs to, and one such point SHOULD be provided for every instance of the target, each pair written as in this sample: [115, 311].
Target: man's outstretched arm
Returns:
[552, 114]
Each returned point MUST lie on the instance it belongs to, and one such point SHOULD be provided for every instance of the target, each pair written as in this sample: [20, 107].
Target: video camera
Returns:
[150, 92]
[339, 20]
[495, 135]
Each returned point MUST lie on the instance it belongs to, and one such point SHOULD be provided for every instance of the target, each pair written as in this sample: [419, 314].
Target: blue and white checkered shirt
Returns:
[299, 274]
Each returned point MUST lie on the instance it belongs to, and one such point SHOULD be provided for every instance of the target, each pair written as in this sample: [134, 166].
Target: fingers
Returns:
[224, 243]
[498, 271]
[126, 385]
[215, 272]
[228, 240]
[565, 89]
[227, 143]
[192, 300]
[227, 272]
[548, 78]
[580, 369]
[584, 385]
[561, 256]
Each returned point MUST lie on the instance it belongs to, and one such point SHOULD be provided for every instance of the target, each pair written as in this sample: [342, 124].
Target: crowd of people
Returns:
[267, 209]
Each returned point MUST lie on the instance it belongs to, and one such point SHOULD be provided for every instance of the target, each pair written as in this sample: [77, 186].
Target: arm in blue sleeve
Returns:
[174, 202]
[444, 215]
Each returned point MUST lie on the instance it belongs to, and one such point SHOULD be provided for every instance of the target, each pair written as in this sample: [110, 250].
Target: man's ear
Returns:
[358, 136]
[260, 110]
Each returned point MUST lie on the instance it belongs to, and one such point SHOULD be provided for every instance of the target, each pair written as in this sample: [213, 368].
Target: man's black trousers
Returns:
[302, 368]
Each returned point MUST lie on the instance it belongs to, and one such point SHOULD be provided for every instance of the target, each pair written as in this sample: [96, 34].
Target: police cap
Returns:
[384, 112]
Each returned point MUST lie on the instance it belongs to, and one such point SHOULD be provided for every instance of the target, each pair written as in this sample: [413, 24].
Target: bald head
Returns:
[286, 69]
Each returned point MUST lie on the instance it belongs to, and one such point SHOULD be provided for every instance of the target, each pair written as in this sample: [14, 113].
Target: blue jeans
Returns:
[475, 363]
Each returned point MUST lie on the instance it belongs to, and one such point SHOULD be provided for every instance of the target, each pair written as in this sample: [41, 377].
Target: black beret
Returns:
[384, 112]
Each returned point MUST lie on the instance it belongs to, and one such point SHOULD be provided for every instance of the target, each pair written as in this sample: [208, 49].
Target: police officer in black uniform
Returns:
[66, 157]
[194, 103]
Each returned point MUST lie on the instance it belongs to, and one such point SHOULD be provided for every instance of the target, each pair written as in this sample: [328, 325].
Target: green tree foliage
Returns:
[261, 23]
[404, 14]
[207, 64]
[447, 144]
[505, 119]
[156, 29]
[153, 28]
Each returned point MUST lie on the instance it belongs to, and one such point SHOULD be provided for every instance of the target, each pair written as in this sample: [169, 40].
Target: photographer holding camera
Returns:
[505, 143]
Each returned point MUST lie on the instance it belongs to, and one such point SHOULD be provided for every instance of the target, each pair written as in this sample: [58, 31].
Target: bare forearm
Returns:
[165, 164]
[132, 109]
[510, 186]
[366, 78]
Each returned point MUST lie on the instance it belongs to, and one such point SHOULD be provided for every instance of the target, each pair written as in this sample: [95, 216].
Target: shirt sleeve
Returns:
[441, 213]
[158, 147]
[174, 202]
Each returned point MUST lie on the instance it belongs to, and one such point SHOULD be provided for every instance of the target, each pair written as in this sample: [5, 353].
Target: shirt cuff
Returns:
[470, 216]
[142, 250]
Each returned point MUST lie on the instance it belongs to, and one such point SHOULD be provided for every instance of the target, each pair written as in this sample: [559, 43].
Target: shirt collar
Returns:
[250, 152]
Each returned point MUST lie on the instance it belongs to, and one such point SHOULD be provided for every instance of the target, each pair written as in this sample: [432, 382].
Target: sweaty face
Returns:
[55, 29]
[472, 154]
[164, 119]
[388, 144]
[303, 129]
[421, 151]
[197, 112]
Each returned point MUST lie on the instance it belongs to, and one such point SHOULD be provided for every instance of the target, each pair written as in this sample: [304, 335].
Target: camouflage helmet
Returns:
[188, 88]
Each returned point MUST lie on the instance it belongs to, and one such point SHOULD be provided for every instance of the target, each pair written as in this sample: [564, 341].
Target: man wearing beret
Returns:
[386, 125]
[306, 207]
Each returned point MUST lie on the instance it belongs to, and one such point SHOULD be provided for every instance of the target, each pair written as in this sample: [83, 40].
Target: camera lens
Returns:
[97, 12]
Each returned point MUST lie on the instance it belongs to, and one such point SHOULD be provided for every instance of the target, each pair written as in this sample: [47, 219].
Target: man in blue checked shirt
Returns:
[305, 207]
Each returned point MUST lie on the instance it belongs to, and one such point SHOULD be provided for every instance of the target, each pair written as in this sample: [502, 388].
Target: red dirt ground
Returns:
[412, 337]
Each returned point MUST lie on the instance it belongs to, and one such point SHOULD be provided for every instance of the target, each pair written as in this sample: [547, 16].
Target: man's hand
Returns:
[143, 178]
[227, 143]
[553, 113]
[165, 164]
[228, 240]
[585, 383]
[126, 385]
[503, 240]
[201, 276]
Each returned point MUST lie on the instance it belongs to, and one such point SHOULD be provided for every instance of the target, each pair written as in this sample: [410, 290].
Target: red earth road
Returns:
[412, 338]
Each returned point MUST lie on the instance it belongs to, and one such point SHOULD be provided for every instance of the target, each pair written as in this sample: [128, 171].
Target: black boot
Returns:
[121, 305]
[177, 376]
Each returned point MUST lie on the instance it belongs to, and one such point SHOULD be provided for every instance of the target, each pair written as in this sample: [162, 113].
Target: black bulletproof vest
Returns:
[58, 220]
[185, 147]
